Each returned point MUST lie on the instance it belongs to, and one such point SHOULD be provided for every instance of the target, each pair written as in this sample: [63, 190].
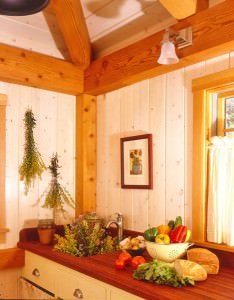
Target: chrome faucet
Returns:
[119, 224]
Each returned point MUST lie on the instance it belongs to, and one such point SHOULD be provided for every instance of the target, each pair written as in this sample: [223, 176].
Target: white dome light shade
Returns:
[168, 55]
[21, 7]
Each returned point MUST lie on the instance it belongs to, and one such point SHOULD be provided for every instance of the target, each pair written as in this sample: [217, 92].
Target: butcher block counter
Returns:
[101, 267]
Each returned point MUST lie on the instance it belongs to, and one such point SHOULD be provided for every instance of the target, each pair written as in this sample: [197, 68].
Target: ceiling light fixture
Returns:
[181, 39]
[21, 7]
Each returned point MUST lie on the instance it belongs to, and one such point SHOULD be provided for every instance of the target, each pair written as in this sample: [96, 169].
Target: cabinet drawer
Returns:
[74, 285]
[117, 294]
[39, 270]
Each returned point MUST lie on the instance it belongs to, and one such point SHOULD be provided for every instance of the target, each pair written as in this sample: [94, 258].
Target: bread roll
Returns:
[208, 260]
[187, 268]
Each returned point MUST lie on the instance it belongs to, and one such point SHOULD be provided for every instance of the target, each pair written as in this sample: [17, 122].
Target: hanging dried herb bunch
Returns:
[32, 165]
[56, 194]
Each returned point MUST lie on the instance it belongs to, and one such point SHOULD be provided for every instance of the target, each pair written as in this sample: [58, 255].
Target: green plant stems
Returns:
[56, 195]
[32, 165]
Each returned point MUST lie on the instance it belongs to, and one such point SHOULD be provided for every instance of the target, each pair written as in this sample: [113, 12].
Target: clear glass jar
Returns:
[46, 224]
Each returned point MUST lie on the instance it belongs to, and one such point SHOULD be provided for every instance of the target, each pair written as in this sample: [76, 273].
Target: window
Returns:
[3, 230]
[204, 88]
[225, 116]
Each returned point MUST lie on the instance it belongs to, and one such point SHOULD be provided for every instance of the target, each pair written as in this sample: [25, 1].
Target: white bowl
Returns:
[167, 252]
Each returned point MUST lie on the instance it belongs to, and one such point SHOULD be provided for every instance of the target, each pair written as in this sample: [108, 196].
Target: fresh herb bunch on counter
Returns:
[161, 273]
[86, 237]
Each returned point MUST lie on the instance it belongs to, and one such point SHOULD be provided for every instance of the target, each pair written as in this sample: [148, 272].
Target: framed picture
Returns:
[136, 162]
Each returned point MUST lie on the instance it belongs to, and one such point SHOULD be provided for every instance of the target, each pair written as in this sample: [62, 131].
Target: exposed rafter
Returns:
[32, 69]
[183, 9]
[72, 24]
[213, 35]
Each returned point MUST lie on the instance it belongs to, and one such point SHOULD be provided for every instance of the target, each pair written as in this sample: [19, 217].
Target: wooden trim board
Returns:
[3, 230]
[202, 87]
[11, 258]
[85, 153]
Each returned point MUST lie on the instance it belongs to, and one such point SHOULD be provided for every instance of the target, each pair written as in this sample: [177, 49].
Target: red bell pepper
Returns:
[178, 235]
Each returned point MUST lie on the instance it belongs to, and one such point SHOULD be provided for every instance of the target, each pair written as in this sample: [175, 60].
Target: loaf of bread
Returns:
[208, 260]
[186, 268]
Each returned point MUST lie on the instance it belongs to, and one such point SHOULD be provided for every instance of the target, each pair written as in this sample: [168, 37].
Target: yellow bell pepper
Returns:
[162, 238]
[188, 234]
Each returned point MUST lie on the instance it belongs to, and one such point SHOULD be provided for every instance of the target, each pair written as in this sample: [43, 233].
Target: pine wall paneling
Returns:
[157, 117]
[174, 139]
[55, 132]
[3, 230]
[162, 106]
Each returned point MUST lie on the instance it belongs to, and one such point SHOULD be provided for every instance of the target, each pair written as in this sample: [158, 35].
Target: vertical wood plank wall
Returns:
[3, 102]
[162, 106]
[55, 132]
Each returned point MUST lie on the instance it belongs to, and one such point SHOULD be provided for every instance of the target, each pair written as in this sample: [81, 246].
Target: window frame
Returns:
[3, 229]
[202, 126]
[221, 111]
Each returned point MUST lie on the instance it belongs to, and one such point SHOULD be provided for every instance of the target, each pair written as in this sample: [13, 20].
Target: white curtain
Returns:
[27, 291]
[220, 214]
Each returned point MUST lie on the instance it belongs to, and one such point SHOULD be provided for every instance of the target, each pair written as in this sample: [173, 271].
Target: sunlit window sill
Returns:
[222, 247]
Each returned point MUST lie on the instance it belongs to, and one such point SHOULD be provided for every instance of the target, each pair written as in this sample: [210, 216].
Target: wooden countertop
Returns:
[101, 267]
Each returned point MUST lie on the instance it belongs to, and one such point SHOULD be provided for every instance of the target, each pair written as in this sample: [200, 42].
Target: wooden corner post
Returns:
[85, 153]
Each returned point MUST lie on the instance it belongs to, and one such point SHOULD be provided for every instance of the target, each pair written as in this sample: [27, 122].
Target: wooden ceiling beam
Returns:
[201, 5]
[180, 9]
[213, 35]
[72, 24]
[41, 71]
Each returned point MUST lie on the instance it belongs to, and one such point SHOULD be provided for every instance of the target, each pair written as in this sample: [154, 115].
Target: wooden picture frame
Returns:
[136, 162]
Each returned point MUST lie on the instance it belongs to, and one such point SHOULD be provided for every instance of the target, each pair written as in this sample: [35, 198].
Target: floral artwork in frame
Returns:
[136, 162]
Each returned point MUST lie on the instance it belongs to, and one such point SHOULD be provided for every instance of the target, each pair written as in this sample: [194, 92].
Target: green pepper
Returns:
[178, 221]
[150, 234]
[171, 224]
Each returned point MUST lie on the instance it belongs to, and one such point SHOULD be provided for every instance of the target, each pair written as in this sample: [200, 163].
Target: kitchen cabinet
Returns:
[40, 271]
[66, 283]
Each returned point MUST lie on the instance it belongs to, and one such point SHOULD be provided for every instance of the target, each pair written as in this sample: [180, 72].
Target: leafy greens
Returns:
[160, 273]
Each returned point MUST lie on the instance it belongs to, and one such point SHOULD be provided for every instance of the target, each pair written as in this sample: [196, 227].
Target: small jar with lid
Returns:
[46, 230]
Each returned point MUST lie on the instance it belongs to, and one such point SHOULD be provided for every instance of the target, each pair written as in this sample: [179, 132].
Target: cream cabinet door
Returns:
[40, 270]
[74, 285]
[118, 294]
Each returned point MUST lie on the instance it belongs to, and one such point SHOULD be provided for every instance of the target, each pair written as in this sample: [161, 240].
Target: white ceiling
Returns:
[112, 24]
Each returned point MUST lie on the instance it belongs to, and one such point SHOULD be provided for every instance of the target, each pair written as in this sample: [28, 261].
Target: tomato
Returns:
[162, 238]
[119, 264]
[137, 260]
[126, 257]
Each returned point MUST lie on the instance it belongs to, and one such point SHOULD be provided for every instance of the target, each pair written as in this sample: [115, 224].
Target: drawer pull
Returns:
[36, 272]
[78, 294]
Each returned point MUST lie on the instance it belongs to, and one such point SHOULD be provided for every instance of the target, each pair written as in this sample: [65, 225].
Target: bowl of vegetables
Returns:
[135, 246]
[168, 242]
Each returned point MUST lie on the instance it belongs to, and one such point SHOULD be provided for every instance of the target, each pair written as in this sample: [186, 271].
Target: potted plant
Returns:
[55, 197]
